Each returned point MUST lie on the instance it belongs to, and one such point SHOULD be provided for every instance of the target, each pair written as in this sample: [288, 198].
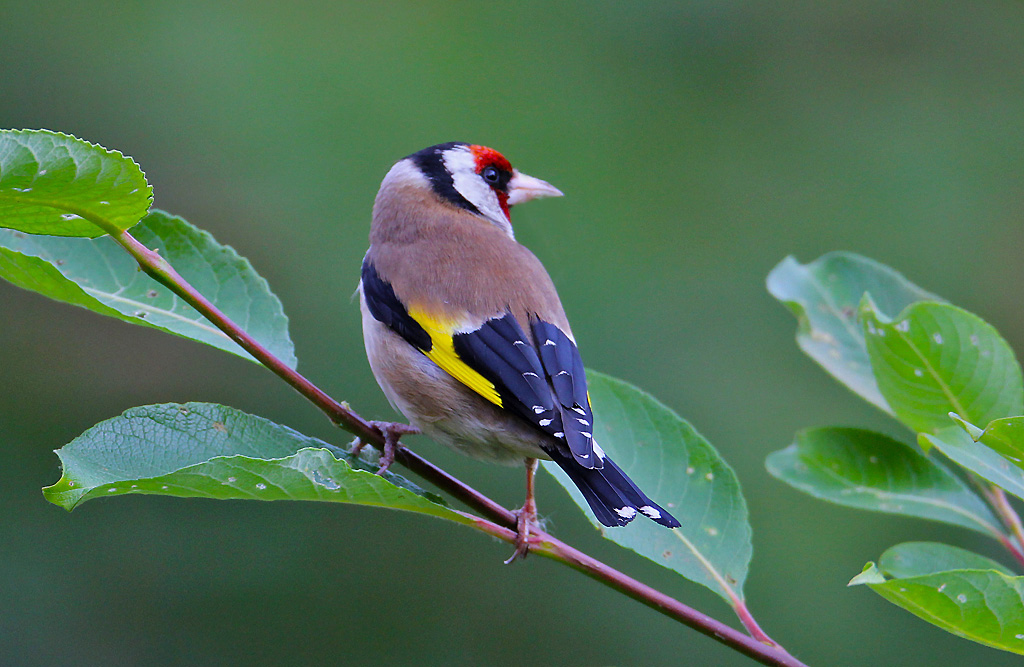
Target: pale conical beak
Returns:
[523, 188]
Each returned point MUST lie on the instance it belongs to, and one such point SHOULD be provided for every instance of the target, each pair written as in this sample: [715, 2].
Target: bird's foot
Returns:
[391, 432]
[527, 527]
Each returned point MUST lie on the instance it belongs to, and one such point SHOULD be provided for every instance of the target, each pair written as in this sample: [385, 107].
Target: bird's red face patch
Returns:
[493, 161]
[488, 157]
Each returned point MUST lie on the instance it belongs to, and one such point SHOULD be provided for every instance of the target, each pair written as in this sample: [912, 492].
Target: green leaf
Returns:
[913, 559]
[934, 358]
[978, 600]
[99, 275]
[976, 457]
[56, 184]
[201, 450]
[1006, 436]
[679, 470]
[871, 471]
[824, 296]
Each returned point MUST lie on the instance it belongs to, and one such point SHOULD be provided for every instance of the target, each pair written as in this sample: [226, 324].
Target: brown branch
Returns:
[550, 547]
[501, 521]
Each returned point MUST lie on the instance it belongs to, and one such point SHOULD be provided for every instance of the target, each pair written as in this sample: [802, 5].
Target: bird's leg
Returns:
[526, 517]
[391, 431]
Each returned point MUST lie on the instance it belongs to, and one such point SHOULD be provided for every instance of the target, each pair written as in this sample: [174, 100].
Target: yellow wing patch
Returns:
[442, 353]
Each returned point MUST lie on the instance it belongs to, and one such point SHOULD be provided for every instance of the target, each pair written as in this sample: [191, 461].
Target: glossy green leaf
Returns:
[99, 275]
[55, 184]
[977, 599]
[1006, 436]
[933, 359]
[679, 470]
[871, 471]
[201, 450]
[824, 296]
[913, 559]
[976, 457]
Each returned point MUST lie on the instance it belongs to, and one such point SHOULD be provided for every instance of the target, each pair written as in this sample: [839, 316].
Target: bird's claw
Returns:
[527, 527]
[391, 432]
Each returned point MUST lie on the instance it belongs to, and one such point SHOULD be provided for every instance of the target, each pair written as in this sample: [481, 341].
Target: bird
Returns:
[466, 336]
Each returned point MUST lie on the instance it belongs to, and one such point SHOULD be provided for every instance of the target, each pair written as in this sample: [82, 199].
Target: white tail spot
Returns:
[625, 512]
[651, 512]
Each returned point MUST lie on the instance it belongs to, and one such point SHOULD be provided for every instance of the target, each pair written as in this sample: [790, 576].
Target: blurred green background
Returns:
[698, 143]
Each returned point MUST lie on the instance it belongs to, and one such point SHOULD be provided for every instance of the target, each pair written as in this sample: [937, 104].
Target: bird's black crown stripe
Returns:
[388, 310]
[430, 161]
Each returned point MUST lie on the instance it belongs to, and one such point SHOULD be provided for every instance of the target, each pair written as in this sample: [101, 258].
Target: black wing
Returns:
[387, 309]
[546, 388]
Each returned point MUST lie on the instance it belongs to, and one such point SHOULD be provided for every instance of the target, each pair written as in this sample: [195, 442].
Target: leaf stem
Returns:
[500, 522]
[997, 498]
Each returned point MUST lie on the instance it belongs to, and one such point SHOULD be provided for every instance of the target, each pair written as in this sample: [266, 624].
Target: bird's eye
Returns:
[491, 175]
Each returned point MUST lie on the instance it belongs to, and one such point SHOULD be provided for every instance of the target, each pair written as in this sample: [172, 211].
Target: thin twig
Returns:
[504, 521]
[544, 544]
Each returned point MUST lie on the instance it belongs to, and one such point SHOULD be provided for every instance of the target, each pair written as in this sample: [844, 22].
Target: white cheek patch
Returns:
[461, 164]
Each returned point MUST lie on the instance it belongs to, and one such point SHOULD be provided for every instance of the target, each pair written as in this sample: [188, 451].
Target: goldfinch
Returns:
[466, 335]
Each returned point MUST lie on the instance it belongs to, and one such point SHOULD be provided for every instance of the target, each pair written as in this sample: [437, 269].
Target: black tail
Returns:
[613, 497]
